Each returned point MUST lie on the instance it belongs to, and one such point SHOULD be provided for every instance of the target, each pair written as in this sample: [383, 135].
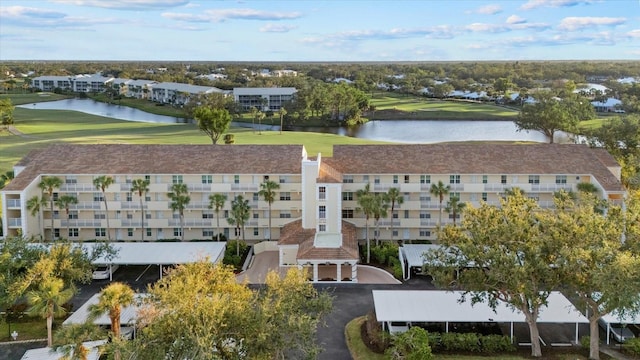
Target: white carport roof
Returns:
[162, 253]
[414, 253]
[614, 318]
[443, 306]
[48, 354]
[128, 314]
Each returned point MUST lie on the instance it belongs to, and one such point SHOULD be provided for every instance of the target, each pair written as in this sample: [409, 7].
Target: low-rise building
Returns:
[264, 99]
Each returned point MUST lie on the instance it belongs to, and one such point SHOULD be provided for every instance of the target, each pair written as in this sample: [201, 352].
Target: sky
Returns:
[330, 30]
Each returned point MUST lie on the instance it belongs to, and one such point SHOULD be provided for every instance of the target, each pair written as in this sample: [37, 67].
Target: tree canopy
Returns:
[213, 122]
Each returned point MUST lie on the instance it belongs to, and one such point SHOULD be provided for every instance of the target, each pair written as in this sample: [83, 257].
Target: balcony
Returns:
[430, 205]
[125, 187]
[13, 203]
[244, 187]
[427, 222]
[77, 187]
[86, 205]
[388, 223]
[82, 223]
[199, 187]
[131, 205]
[132, 223]
[191, 222]
[384, 187]
[498, 187]
[456, 187]
[551, 187]
[15, 222]
[198, 205]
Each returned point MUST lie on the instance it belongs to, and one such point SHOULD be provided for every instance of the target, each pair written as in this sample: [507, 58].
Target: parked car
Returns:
[126, 332]
[619, 332]
[102, 272]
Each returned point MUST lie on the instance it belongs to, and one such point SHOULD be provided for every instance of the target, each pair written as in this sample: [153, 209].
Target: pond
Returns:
[401, 131]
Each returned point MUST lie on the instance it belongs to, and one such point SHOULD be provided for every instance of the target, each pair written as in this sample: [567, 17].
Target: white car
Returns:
[102, 272]
[619, 332]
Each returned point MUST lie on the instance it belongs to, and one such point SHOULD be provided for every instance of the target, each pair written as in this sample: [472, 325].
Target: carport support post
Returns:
[160, 267]
[512, 332]
[608, 332]
[315, 272]
[446, 326]
[110, 273]
[577, 334]
[339, 271]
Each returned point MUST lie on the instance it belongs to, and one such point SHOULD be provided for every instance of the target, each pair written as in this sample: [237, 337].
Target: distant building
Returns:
[263, 99]
[178, 93]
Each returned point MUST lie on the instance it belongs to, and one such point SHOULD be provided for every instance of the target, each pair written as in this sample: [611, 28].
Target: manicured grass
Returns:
[144, 105]
[27, 98]
[391, 106]
[357, 348]
[45, 127]
[27, 328]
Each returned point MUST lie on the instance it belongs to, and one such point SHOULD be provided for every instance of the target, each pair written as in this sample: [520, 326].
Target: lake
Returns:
[400, 131]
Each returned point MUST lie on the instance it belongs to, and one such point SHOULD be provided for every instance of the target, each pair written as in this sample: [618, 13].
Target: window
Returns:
[176, 179]
[285, 215]
[285, 196]
[376, 179]
[55, 196]
[256, 215]
[406, 214]
[395, 215]
[56, 233]
[147, 215]
[347, 196]
[147, 178]
[100, 216]
[347, 213]
[101, 232]
[322, 193]
[265, 178]
[129, 197]
[425, 233]
[395, 179]
[129, 216]
[347, 179]
[73, 232]
[283, 180]
[129, 232]
[534, 179]
[70, 180]
[256, 196]
[484, 196]
[322, 228]
[175, 216]
[503, 179]
[454, 179]
[237, 231]
[236, 179]
[365, 178]
[56, 214]
[454, 195]
[425, 198]
[425, 179]
[561, 179]
[207, 179]
[177, 232]
[406, 179]
[73, 214]
[256, 231]
[425, 215]
[226, 214]
[207, 233]
[485, 179]
[322, 212]
[147, 197]
[148, 232]
[395, 232]
[97, 197]
[207, 216]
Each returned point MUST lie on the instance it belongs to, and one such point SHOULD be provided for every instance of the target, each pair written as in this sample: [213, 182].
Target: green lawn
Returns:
[391, 106]
[45, 127]
[27, 98]
[27, 329]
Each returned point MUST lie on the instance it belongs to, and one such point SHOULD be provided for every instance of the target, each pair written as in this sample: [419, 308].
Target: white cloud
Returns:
[482, 27]
[515, 19]
[29, 12]
[277, 28]
[489, 9]
[125, 4]
[220, 15]
[634, 33]
[533, 4]
[576, 23]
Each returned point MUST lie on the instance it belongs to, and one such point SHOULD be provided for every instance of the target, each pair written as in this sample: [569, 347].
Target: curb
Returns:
[21, 341]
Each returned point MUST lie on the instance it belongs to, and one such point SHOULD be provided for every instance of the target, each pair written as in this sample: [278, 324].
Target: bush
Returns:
[449, 341]
[230, 257]
[492, 344]
[632, 346]
[410, 345]
[372, 334]
[585, 342]
[385, 253]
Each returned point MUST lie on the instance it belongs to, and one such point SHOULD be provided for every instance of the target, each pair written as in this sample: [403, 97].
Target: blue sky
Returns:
[371, 30]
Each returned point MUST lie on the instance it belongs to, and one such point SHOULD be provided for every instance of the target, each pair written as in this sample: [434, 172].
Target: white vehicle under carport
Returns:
[103, 272]
[619, 332]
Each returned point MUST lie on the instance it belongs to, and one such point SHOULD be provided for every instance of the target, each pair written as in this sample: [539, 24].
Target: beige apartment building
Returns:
[316, 200]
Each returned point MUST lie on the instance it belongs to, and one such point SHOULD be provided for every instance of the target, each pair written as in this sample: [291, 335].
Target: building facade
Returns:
[264, 99]
[320, 193]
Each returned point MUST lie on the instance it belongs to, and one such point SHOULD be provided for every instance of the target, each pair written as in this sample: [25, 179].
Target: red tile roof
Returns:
[293, 234]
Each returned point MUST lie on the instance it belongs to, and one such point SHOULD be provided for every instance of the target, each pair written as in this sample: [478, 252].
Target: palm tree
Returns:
[267, 191]
[47, 302]
[379, 208]
[6, 178]
[282, 112]
[216, 202]
[440, 190]
[365, 202]
[240, 210]
[455, 207]
[48, 184]
[102, 183]
[141, 187]
[64, 202]
[35, 205]
[180, 198]
[111, 300]
[69, 340]
[261, 117]
[393, 197]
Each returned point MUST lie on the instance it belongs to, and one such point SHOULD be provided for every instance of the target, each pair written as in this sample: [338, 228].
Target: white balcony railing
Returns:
[190, 222]
[77, 187]
[86, 205]
[131, 205]
[198, 205]
[81, 223]
[199, 187]
[244, 187]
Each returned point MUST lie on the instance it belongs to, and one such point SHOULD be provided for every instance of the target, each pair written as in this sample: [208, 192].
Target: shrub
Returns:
[410, 345]
[492, 344]
[468, 342]
[585, 342]
[632, 346]
[385, 253]
[449, 341]
[230, 257]
[372, 334]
